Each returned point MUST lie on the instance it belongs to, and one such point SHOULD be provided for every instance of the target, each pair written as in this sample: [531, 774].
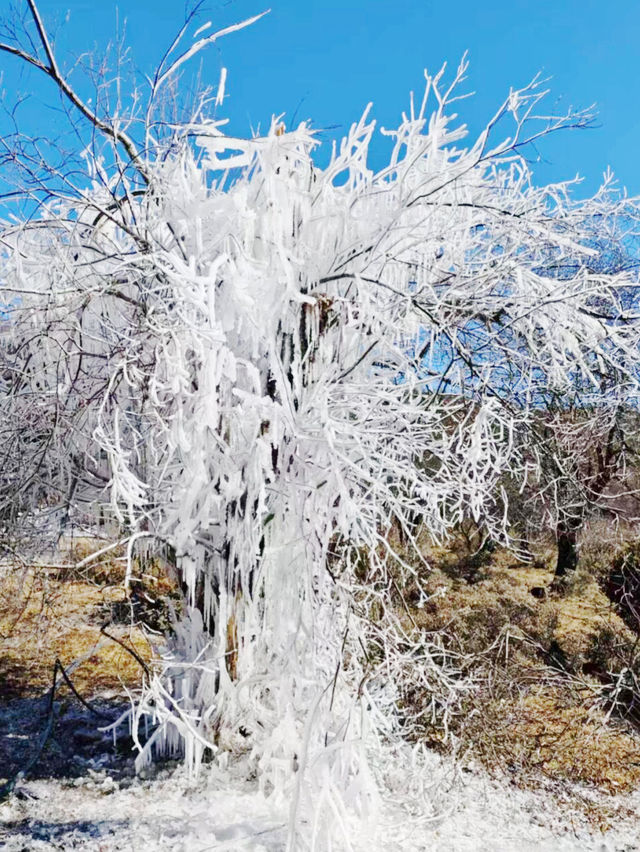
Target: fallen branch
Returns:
[129, 650]
[9, 786]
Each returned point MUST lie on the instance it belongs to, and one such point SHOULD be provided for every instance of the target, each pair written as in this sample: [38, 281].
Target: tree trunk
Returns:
[567, 543]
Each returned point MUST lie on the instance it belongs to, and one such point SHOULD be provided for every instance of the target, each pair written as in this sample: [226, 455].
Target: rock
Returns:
[108, 785]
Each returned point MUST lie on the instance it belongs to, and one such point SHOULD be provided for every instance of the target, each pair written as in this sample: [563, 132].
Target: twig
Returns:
[129, 650]
[9, 786]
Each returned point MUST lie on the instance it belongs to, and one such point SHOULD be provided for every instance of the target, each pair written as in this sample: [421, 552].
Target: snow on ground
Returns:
[168, 812]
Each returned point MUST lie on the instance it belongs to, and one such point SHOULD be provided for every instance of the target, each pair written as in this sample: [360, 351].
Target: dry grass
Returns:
[539, 709]
[550, 729]
[47, 615]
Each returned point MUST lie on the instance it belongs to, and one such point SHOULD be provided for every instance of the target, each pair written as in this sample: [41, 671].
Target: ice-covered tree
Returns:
[583, 437]
[279, 361]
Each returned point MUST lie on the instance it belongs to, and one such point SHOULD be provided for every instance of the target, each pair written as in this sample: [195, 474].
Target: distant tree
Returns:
[582, 440]
[585, 465]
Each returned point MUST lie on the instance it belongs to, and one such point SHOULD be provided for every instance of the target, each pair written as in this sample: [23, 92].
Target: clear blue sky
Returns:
[326, 60]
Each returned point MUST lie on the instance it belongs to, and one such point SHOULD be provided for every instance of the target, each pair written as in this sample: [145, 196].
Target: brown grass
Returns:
[552, 730]
[44, 617]
[537, 710]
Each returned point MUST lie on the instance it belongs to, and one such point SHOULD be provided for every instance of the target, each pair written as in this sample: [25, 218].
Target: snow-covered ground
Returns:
[168, 812]
[82, 794]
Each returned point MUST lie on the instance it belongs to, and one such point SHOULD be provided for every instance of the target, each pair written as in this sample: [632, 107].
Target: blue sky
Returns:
[326, 60]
